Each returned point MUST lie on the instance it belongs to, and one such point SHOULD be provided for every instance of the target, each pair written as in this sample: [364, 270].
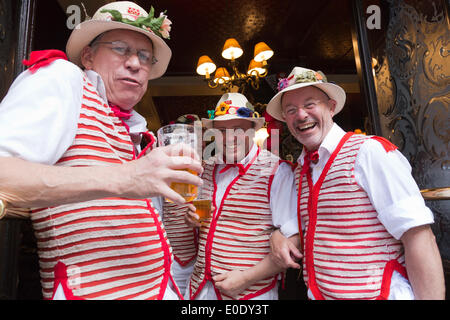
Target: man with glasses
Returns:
[365, 226]
[70, 150]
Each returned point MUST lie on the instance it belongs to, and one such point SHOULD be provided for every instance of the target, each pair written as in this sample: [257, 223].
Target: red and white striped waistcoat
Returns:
[238, 236]
[348, 254]
[111, 248]
[183, 238]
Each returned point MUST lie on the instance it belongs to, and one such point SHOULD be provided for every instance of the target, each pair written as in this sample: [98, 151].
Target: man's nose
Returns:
[132, 62]
[301, 113]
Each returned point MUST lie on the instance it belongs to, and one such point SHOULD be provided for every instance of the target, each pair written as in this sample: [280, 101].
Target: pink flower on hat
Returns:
[165, 27]
[283, 83]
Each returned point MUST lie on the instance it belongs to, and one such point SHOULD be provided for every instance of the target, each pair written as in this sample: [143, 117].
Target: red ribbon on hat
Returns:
[42, 58]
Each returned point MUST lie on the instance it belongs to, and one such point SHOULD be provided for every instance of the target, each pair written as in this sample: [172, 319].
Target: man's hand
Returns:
[191, 218]
[284, 251]
[232, 283]
[152, 174]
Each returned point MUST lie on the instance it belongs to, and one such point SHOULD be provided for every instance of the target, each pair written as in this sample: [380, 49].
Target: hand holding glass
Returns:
[175, 134]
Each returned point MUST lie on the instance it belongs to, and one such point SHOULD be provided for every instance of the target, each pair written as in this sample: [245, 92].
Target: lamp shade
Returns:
[262, 52]
[221, 75]
[205, 65]
[256, 66]
[231, 49]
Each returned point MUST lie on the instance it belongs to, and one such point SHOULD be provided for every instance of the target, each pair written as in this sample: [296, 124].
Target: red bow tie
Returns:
[309, 157]
[232, 165]
[312, 156]
[121, 114]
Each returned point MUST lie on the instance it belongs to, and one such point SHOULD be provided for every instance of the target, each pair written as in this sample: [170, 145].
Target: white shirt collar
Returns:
[250, 155]
[328, 144]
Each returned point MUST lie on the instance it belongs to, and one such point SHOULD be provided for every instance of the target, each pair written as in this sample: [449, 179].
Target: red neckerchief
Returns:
[232, 165]
[121, 114]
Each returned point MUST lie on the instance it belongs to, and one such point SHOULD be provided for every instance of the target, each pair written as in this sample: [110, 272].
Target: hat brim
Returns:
[86, 31]
[333, 91]
[208, 123]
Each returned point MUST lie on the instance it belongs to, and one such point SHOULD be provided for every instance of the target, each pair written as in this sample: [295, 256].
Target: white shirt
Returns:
[387, 180]
[39, 115]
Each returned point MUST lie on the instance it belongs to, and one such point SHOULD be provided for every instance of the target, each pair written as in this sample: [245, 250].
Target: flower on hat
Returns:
[244, 112]
[222, 109]
[283, 83]
[165, 27]
[306, 76]
[211, 114]
[160, 26]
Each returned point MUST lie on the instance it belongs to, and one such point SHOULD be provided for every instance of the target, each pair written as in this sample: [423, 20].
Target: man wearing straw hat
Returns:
[365, 226]
[70, 142]
[252, 192]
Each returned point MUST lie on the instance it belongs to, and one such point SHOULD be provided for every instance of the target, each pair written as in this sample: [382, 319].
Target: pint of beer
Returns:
[180, 133]
[187, 191]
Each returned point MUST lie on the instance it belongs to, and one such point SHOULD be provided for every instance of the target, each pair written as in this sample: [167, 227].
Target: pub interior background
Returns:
[395, 71]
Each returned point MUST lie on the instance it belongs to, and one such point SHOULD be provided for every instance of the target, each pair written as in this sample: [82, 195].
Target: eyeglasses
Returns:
[122, 49]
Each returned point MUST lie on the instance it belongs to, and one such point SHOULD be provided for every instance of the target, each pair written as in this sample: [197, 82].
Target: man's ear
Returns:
[87, 57]
[332, 104]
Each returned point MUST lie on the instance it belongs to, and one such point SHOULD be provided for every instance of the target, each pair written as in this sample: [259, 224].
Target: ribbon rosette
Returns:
[222, 109]
[283, 83]
[244, 112]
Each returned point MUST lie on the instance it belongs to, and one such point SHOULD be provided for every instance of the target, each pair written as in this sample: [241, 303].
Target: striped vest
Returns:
[348, 254]
[183, 238]
[111, 248]
[238, 236]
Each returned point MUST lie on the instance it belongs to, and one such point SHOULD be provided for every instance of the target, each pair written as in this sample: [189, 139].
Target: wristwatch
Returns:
[3, 205]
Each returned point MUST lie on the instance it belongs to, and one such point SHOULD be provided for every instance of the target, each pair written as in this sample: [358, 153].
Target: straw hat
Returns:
[124, 15]
[300, 78]
[233, 106]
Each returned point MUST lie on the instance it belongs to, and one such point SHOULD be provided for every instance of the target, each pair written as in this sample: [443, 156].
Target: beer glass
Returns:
[203, 209]
[180, 133]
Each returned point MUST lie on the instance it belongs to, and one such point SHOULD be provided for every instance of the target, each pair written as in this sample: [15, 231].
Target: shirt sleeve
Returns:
[387, 179]
[283, 200]
[39, 114]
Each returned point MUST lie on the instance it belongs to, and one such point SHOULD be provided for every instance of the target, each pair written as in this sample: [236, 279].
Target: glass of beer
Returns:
[203, 209]
[180, 133]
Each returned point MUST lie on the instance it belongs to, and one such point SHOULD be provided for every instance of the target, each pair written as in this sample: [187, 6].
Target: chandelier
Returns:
[231, 51]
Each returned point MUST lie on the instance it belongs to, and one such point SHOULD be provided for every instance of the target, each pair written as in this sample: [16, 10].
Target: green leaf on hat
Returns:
[117, 16]
[149, 22]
